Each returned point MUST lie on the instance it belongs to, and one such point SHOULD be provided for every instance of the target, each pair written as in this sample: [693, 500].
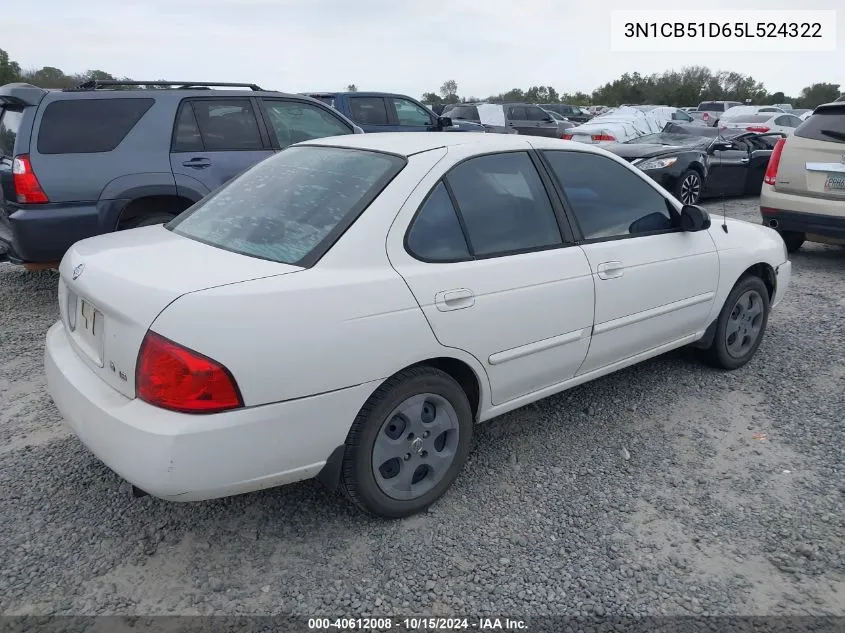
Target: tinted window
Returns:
[827, 125]
[567, 109]
[469, 113]
[84, 126]
[295, 121]
[792, 121]
[712, 106]
[680, 115]
[608, 200]
[517, 113]
[536, 114]
[409, 113]
[10, 121]
[436, 234]
[286, 206]
[187, 137]
[368, 110]
[227, 124]
[504, 204]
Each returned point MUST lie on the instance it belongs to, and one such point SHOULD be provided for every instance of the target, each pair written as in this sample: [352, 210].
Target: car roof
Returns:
[405, 144]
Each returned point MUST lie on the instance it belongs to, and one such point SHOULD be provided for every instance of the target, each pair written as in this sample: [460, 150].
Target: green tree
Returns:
[351, 88]
[817, 94]
[48, 77]
[432, 98]
[9, 71]
[449, 91]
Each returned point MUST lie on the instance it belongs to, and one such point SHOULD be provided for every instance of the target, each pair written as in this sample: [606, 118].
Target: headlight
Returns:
[658, 163]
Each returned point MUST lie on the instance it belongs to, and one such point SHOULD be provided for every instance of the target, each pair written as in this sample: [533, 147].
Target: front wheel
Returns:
[688, 189]
[741, 324]
[407, 444]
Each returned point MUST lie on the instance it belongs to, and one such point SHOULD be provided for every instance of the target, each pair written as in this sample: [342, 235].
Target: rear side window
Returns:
[10, 122]
[828, 126]
[436, 234]
[226, 124]
[368, 110]
[296, 121]
[87, 126]
[291, 207]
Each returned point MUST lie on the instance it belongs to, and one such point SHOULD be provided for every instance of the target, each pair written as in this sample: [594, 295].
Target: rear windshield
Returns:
[751, 118]
[86, 126]
[468, 113]
[10, 121]
[824, 126]
[711, 106]
[292, 207]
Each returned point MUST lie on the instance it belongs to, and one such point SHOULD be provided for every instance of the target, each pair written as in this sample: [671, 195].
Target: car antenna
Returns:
[724, 206]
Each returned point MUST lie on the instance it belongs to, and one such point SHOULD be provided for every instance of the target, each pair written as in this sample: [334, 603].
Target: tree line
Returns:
[685, 87]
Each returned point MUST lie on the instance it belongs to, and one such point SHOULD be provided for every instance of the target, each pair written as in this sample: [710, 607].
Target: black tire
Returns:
[720, 353]
[793, 240]
[150, 219]
[358, 480]
[690, 185]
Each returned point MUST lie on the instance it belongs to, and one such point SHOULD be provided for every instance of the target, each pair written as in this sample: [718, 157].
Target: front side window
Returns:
[226, 124]
[88, 126]
[504, 205]
[296, 121]
[608, 199]
[536, 114]
[409, 113]
[435, 234]
[368, 110]
[292, 205]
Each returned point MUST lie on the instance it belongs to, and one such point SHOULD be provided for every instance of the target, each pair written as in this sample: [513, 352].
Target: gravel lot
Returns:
[668, 488]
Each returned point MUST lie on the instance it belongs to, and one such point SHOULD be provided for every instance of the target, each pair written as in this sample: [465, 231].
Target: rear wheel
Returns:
[408, 443]
[688, 189]
[793, 240]
[741, 324]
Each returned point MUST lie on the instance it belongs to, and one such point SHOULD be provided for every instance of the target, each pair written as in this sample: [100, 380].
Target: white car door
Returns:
[489, 257]
[655, 284]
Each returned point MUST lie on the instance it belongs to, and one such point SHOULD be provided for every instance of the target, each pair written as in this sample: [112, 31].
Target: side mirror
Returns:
[721, 146]
[549, 119]
[444, 122]
[694, 218]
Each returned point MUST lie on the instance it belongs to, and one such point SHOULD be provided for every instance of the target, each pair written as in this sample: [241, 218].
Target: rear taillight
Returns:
[597, 138]
[705, 116]
[757, 128]
[174, 377]
[774, 161]
[566, 137]
[27, 187]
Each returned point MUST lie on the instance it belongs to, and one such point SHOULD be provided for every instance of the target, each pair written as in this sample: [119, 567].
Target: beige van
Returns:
[803, 195]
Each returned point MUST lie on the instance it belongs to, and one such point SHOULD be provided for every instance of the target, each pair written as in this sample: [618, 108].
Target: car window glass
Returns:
[608, 199]
[517, 113]
[368, 110]
[536, 114]
[84, 126]
[187, 137]
[409, 113]
[436, 234]
[227, 124]
[10, 122]
[792, 121]
[827, 126]
[295, 121]
[504, 204]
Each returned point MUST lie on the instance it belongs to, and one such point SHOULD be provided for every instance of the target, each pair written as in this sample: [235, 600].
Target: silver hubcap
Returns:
[690, 189]
[744, 324]
[415, 446]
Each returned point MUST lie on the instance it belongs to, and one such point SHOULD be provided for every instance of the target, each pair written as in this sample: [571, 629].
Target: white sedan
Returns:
[763, 123]
[351, 307]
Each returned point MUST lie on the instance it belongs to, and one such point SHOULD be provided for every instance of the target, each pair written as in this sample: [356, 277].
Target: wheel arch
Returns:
[171, 203]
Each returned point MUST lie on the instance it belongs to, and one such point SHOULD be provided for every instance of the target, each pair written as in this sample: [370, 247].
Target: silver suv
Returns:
[803, 195]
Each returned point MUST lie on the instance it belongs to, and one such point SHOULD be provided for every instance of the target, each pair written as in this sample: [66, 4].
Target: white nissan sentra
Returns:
[351, 307]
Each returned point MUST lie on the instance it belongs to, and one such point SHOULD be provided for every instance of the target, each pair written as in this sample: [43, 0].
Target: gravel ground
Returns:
[668, 488]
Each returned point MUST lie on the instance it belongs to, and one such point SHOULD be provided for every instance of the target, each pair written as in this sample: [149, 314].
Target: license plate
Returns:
[834, 182]
[89, 330]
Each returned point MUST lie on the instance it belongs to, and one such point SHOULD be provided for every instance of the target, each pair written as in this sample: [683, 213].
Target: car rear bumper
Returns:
[184, 457]
[802, 214]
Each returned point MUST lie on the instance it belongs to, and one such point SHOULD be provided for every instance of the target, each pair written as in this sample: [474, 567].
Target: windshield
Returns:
[10, 121]
[662, 138]
[466, 113]
[290, 206]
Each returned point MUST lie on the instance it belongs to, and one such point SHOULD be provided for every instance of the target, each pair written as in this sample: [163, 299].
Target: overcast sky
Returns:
[406, 46]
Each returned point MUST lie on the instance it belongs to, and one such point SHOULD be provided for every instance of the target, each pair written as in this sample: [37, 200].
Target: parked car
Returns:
[745, 110]
[615, 126]
[803, 194]
[401, 288]
[802, 113]
[786, 107]
[696, 162]
[507, 118]
[711, 111]
[563, 123]
[388, 112]
[668, 113]
[572, 112]
[782, 123]
[108, 155]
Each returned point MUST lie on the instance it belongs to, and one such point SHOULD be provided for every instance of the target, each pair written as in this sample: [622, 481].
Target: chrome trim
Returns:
[826, 167]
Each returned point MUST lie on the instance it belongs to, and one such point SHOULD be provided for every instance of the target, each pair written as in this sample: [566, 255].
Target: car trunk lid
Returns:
[112, 288]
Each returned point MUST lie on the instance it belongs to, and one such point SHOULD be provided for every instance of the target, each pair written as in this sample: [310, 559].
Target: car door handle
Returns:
[744, 161]
[456, 299]
[610, 270]
[197, 163]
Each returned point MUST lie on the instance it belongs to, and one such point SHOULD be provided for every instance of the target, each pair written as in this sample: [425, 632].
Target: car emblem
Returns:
[78, 271]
